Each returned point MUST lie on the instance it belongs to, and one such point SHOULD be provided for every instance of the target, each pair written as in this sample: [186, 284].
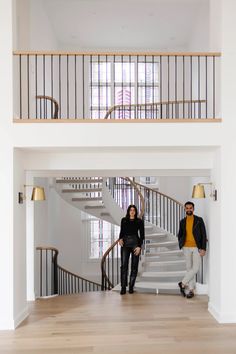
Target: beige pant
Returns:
[193, 261]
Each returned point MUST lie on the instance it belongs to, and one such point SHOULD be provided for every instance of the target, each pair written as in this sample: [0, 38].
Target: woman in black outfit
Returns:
[131, 239]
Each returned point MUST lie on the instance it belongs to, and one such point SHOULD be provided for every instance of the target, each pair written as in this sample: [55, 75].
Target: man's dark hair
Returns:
[189, 203]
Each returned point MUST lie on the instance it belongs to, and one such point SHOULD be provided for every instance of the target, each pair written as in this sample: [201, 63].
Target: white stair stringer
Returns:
[87, 196]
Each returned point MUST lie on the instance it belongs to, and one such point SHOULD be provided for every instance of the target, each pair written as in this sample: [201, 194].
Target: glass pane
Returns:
[148, 94]
[148, 73]
[124, 72]
[101, 72]
[101, 96]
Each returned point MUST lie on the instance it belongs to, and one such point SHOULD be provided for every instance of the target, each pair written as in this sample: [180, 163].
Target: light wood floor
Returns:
[109, 323]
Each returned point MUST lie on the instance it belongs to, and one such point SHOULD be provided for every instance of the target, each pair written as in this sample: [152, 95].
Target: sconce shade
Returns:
[38, 194]
[198, 191]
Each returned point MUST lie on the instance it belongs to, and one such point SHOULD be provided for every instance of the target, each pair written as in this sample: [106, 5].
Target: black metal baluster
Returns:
[206, 85]
[83, 80]
[130, 86]
[183, 86]
[213, 83]
[20, 64]
[99, 86]
[160, 87]
[199, 89]
[41, 272]
[168, 85]
[176, 87]
[44, 87]
[191, 84]
[59, 67]
[67, 87]
[36, 86]
[76, 87]
[46, 272]
[51, 85]
[28, 88]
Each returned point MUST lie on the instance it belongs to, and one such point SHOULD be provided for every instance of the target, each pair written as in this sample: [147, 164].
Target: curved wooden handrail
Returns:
[55, 115]
[155, 191]
[47, 248]
[78, 276]
[104, 275]
[122, 106]
[170, 54]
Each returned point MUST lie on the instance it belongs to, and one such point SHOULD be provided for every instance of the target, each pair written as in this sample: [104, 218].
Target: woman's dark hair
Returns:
[189, 203]
[128, 210]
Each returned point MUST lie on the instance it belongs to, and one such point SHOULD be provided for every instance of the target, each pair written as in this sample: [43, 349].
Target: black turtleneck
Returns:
[132, 227]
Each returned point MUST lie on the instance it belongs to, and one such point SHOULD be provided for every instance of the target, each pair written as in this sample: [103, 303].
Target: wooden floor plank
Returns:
[103, 323]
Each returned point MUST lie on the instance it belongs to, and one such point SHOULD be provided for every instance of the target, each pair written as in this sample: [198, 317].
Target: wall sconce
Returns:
[199, 191]
[37, 194]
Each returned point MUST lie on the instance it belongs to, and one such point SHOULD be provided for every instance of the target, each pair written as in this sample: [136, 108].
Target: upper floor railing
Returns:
[121, 86]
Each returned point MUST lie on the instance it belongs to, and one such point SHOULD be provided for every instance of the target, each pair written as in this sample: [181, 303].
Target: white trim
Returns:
[21, 317]
[227, 317]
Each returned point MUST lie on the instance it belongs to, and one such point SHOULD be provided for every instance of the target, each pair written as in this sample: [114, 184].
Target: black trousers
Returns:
[125, 255]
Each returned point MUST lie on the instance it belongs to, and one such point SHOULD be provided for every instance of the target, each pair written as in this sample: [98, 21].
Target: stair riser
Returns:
[164, 268]
[174, 279]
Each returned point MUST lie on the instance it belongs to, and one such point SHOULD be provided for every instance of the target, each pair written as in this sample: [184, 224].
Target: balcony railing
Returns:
[116, 86]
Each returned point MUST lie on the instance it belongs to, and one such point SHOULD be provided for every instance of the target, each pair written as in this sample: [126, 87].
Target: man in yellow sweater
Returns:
[192, 239]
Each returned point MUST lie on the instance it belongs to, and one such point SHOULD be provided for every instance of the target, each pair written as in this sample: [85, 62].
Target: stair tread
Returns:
[170, 252]
[94, 207]
[163, 243]
[86, 199]
[78, 181]
[156, 234]
[156, 285]
[89, 190]
[163, 274]
[179, 261]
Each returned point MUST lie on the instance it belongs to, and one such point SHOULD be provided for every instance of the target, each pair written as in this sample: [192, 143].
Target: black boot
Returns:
[123, 291]
[131, 284]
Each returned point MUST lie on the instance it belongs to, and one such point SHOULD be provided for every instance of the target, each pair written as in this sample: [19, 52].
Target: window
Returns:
[123, 83]
[102, 235]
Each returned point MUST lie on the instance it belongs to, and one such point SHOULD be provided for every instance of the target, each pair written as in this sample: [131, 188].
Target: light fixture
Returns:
[199, 191]
[38, 194]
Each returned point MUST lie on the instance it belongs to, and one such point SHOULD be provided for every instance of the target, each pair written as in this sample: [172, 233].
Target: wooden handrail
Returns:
[47, 248]
[170, 54]
[55, 115]
[113, 108]
[155, 191]
[78, 276]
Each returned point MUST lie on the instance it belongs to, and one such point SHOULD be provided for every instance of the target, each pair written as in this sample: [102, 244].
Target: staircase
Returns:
[162, 264]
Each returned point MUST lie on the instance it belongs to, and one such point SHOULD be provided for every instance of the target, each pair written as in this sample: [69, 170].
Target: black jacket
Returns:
[199, 232]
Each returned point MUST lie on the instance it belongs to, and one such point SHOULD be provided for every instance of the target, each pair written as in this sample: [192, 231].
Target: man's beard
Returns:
[189, 213]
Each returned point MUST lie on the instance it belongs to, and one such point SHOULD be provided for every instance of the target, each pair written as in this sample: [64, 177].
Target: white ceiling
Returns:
[128, 24]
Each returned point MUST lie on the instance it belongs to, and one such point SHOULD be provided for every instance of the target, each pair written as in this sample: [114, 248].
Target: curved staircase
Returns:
[162, 264]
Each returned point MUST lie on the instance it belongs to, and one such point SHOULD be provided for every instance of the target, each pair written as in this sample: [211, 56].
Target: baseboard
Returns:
[21, 317]
[6, 324]
[201, 289]
[224, 317]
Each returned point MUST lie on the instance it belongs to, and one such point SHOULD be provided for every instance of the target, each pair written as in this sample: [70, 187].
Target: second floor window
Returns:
[130, 85]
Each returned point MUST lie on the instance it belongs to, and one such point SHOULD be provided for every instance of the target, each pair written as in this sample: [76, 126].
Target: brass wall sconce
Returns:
[199, 191]
[38, 194]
